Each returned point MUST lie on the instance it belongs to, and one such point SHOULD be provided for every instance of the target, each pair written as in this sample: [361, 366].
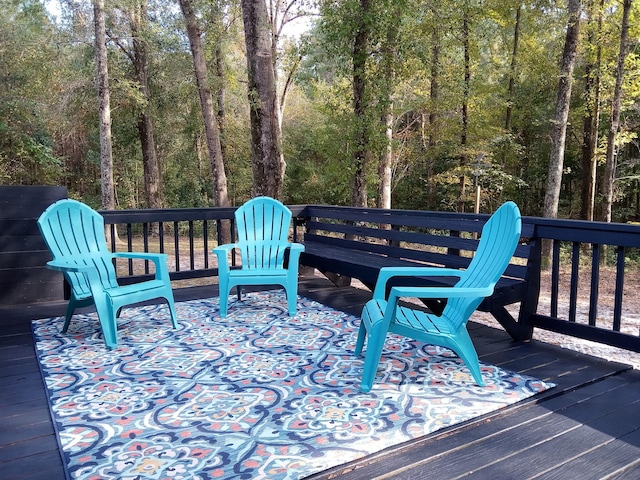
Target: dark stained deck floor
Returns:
[587, 427]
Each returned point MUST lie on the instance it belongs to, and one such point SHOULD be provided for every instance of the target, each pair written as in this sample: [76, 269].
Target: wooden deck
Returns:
[587, 427]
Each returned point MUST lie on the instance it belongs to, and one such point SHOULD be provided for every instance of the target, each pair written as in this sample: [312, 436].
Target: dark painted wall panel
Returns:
[24, 279]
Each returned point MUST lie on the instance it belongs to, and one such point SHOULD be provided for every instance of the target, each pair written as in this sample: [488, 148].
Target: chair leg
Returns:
[223, 292]
[372, 312]
[74, 304]
[362, 335]
[292, 299]
[224, 300]
[375, 344]
[67, 318]
[108, 322]
[172, 309]
[466, 351]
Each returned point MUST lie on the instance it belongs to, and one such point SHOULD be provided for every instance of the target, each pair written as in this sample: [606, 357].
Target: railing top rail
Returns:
[167, 215]
[620, 234]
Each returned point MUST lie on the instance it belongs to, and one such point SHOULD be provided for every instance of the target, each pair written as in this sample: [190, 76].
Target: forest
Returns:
[430, 105]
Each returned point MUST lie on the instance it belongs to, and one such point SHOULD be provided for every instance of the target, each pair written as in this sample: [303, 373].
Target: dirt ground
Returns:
[606, 288]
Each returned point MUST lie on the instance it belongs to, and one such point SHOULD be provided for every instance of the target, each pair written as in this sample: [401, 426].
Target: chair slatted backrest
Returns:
[498, 241]
[74, 233]
[263, 229]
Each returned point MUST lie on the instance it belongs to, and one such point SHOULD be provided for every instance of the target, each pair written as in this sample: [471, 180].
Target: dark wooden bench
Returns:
[345, 243]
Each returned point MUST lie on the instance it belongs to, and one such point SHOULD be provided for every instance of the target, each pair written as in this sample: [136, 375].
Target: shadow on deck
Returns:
[587, 427]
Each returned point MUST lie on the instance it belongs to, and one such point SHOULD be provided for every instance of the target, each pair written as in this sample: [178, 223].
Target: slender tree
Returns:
[591, 118]
[556, 162]
[434, 98]
[151, 165]
[465, 105]
[211, 125]
[512, 70]
[282, 13]
[388, 81]
[614, 124]
[362, 152]
[136, 51]
[104, 107]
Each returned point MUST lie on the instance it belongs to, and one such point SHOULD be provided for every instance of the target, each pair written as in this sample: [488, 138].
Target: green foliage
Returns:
[314, 147]
[48, 111]
[26, 147]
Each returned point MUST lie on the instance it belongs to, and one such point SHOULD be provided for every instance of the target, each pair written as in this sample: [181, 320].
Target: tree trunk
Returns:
[211, 126]
[360, 108]
[465, 107]
[104, 108]
[512, 71]
[266, 159]
[591, 121]
[556, 161]
[387, 83]
[616, 105]
[434, 96]
[386, 160]
[138, 20]
[281, 13]
[220, 96]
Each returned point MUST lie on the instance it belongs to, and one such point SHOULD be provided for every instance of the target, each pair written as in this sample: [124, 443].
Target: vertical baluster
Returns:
[161, 236]
[555, 276]
[145, 242]
[130, 247]
[112, 231]
[205, 238]
[176, 245]
[233, 239]
[191, 247]
[595, 285]
[575, 266]
[617, 307]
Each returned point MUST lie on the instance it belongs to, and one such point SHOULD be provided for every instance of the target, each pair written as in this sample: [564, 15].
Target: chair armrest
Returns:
[89, 271]
[386, 273]
[226, 248]
[142, 255]
[296, 247]
[159, 259]
[222, 253]
[61, 266]
[438, 292]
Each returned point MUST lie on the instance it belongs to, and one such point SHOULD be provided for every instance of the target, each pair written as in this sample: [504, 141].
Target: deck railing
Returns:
[576, 297]
[593, 281]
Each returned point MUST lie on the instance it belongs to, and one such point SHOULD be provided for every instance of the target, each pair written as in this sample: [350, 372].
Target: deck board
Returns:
[586, 427]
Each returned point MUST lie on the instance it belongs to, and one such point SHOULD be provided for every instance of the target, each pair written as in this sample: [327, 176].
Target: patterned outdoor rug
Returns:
[256, 395]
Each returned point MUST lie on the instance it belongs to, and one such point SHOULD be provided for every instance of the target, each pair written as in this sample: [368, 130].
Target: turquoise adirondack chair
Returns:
[75, 236]
[262, 224]
[498, 241]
